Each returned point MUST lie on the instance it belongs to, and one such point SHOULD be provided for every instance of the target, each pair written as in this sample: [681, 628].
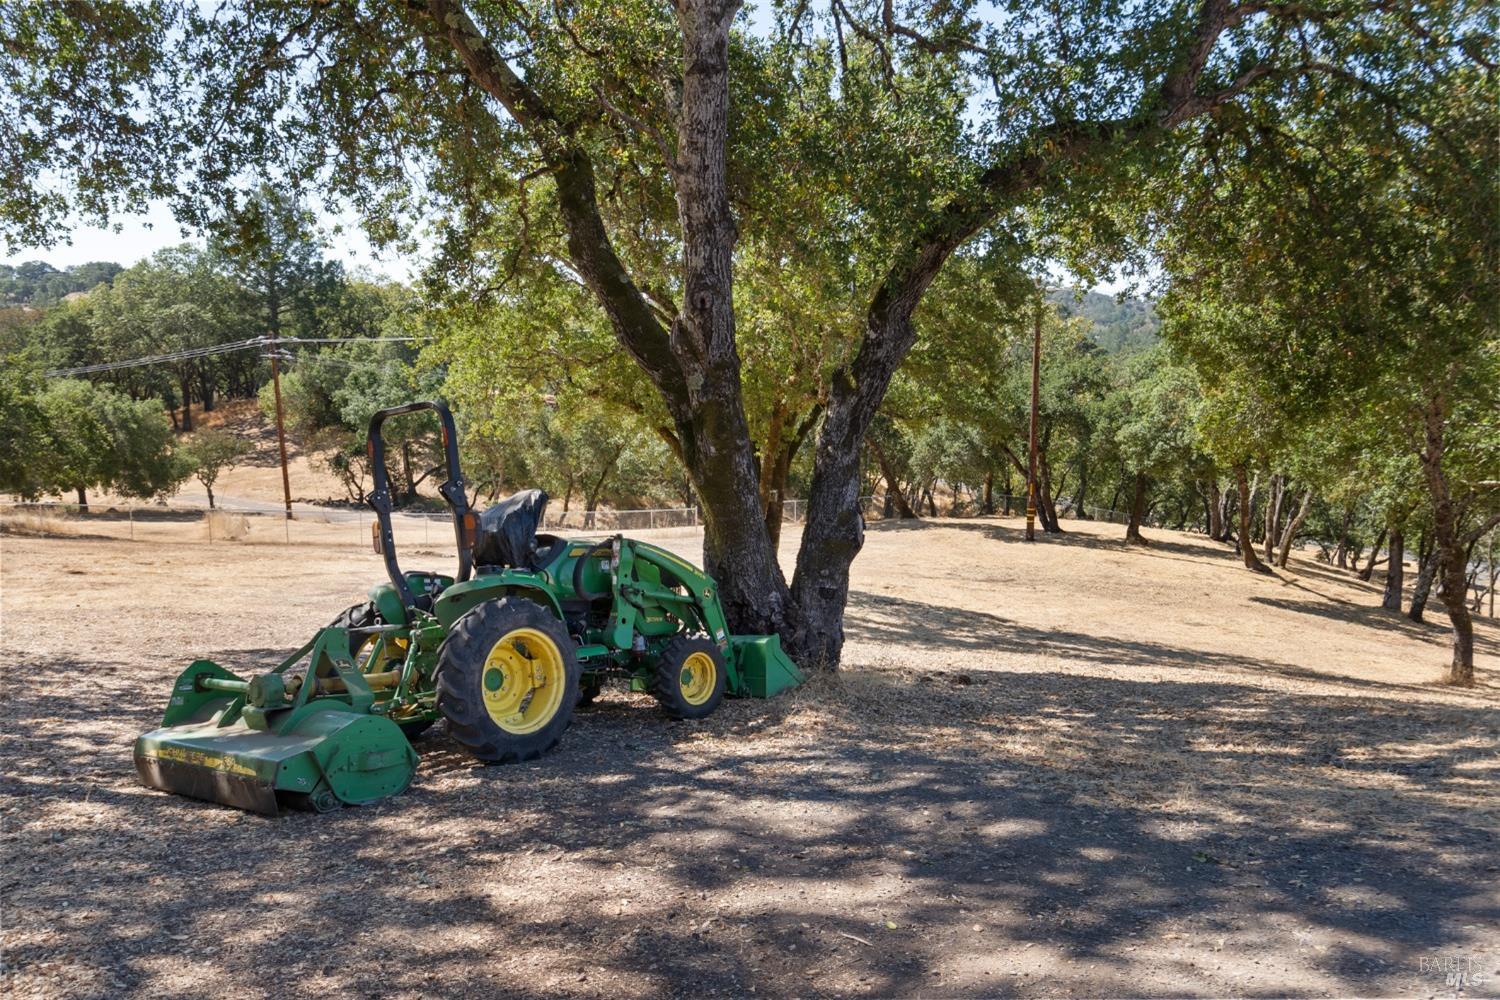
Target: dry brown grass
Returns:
[225, 526]
[38, 523]
[1061, 768]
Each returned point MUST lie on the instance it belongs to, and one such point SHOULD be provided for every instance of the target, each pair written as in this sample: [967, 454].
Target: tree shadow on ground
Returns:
[1333, 609]
[1156, 545]
[883, 618]
[1085, 816]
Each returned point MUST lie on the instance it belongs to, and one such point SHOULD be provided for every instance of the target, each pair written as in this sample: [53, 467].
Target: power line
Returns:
[158, 359]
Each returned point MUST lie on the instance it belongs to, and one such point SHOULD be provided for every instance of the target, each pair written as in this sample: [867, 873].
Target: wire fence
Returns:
[416, 530]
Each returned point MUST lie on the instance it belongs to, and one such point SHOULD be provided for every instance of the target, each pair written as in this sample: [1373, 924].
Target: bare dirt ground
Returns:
[1057, 769]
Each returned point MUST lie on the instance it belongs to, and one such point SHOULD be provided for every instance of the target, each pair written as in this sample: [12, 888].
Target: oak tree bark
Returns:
[1247, 547]
[1289, 533]
[1395, 570]
[1137, 511]
[1451, 546]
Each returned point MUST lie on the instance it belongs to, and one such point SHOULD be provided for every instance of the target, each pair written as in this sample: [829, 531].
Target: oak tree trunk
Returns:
[1289, 534]
[1247, 547]
[1080, 496]
[1395, 570]
[894, 495]
[1046, 510]
[1451, 550]
[1369, 569]
[1274, 490]
[185, 384]
[1215, 511]
[1137, 511]
[1421, 589]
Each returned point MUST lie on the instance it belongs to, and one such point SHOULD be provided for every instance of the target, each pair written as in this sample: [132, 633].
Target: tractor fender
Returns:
[460, 598]
[388, 603]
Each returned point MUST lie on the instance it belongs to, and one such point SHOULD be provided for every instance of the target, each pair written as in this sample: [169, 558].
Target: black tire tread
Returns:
[459, 673]
[666, 685]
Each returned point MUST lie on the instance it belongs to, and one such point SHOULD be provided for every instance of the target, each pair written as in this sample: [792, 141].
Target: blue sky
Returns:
[134, 237]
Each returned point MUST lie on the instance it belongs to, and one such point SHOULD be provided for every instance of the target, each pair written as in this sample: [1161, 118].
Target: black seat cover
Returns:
[507, 531]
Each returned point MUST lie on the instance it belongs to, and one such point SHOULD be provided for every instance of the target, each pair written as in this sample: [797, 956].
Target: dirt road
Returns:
[1064, 768]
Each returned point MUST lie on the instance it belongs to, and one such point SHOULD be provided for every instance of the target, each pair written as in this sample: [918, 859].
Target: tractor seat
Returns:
[507, 531]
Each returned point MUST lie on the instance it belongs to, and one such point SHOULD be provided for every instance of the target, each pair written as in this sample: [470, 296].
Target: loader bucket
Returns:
[764, 668]
[319, 758]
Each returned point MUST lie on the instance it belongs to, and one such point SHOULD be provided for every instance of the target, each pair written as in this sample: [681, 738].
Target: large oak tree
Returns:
[451, 111]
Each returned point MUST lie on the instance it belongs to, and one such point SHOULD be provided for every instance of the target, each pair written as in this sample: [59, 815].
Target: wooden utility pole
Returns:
[286, 482]
[1036, 385]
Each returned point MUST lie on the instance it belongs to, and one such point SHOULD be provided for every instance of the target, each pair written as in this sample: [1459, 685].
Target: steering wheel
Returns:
[578, 572]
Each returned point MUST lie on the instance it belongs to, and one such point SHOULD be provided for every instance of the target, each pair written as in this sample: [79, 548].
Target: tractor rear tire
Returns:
[507, 680]
[690, 677]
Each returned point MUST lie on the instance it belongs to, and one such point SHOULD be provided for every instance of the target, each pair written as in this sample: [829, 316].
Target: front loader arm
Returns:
[702, 593]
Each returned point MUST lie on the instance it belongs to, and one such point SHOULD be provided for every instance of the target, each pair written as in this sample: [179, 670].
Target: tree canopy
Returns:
[758, 218]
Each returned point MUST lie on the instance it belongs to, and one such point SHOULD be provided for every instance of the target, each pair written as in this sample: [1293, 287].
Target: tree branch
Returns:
[592, 252]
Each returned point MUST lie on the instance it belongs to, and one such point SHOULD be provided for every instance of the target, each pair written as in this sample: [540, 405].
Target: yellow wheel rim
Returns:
[392, 653]
[392, 656]
[697, 678]
[523, 681]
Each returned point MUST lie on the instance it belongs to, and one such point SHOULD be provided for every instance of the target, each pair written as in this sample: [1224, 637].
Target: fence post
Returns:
[131, 511]
[210, 522]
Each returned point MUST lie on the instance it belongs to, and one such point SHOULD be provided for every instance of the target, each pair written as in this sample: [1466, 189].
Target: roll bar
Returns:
[452, 491]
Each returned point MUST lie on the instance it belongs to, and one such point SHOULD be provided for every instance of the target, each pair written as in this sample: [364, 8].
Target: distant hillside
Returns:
[1119, 326]
[37, 283]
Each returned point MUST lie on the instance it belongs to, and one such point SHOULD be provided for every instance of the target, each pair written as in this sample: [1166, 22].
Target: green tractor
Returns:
[530, 626]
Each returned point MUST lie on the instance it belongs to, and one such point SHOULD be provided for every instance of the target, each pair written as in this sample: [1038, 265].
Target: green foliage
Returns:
[268, 246]
[546, 399]
[1011, 138]
[330, 395]
[210, 452]
[37, 283]
[1117, 325]
[1155, 427]
[99, 438]
[24, 436]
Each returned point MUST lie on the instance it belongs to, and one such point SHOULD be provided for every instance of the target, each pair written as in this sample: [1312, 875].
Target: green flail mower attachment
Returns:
[529, 627]
[311, 741]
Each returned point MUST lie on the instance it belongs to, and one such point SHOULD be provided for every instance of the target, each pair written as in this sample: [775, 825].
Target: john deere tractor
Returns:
[528, 627]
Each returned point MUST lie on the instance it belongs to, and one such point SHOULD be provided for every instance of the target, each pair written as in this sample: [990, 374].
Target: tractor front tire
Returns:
[690, 677]
[507, 680]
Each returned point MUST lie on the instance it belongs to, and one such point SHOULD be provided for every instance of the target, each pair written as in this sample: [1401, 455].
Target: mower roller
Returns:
[530, 626]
